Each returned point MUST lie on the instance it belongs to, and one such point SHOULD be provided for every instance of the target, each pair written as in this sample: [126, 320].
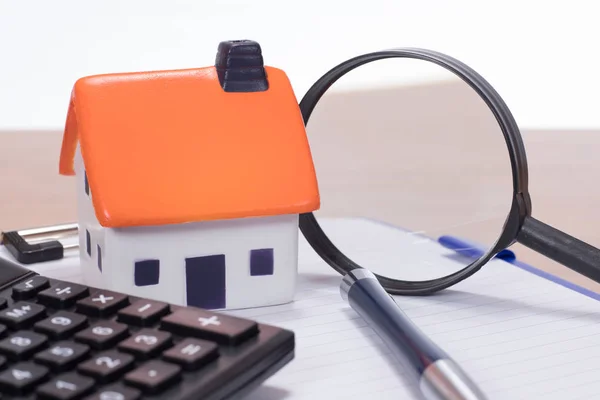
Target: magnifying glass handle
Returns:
[561, 247]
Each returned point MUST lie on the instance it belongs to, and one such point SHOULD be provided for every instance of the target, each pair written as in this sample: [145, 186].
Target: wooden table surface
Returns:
[425, 158]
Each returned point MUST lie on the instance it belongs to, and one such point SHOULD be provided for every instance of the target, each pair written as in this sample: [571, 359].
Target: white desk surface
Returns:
[520, 47]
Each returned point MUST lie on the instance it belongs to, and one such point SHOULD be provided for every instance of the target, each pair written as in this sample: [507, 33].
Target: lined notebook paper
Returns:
[519, 336]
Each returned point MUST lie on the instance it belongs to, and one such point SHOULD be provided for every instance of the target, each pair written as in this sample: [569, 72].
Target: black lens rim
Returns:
[521, 204]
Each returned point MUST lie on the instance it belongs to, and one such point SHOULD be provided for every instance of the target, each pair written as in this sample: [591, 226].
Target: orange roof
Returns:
[168, 147]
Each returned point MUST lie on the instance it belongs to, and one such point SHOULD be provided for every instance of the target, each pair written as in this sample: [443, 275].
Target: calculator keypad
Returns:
[61, 340]
[107, 366]
[116, 392]
[18, 378]
[28, 289]
[62, 295]
[22, 314]
[103, 334]
[146, 343]
[153, 376]
[102, 303]
[62, 324]
[22, 344]
[3, 331]
[62, 356]
[143, 312]
[206, 325]
[69, 386]
[192, 353]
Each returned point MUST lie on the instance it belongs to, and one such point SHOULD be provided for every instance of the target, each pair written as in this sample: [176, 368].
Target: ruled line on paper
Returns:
[340, 320]
[580, 354]
[365, 332]
[534, 380]
[534, 327]
[581, 391]
[346, 350]
[325, 311]
[356, 318]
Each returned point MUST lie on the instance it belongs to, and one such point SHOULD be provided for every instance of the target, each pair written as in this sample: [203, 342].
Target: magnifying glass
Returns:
[440, 170]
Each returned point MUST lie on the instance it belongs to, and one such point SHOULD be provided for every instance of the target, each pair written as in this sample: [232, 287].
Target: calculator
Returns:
[61, 341]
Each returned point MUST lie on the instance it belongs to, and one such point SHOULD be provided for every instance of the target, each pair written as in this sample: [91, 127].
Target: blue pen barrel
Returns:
[472, 250]
[412, 348]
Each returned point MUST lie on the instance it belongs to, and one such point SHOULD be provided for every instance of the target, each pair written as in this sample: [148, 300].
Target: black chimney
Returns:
[240, 66]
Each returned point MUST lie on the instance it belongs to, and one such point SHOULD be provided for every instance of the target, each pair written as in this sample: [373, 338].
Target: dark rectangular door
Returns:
[205, 281]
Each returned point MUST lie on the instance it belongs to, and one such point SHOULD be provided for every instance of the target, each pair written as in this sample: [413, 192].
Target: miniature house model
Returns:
[190, 182]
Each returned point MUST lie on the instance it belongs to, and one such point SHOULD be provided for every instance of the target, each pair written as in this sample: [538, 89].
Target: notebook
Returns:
[519, 333]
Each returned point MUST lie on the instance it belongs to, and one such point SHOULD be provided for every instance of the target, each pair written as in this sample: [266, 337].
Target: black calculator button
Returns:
[2, 303]
[203, 324]
[146, 343]
[19, 378]
[22, 314]
[103, 334]
[2, 362]
[2, 330]
[192, 353]
[61, 325]
[116, 392]
[102, 303]
[62, 356]
[154, 376]
[22, 344]
[68, 386]
[107, 366]
[144, 312]
[29, 288]
[62, 295]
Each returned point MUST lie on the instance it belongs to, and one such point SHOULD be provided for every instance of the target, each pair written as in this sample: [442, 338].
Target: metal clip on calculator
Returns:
[60, 340]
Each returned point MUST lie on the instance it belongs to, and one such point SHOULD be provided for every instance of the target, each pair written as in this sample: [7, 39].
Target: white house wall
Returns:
[88, 222]
[233, 238]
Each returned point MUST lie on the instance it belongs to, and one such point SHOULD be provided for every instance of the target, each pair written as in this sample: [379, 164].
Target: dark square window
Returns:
[146, 272]
[261, 262]
[87, 184]
[99, 258]
[88, 243]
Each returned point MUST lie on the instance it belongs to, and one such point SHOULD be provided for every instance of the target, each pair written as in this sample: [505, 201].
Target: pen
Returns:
[438, 376]
[473, 250]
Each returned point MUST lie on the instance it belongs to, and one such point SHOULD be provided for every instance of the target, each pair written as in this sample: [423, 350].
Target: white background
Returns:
[542, 56]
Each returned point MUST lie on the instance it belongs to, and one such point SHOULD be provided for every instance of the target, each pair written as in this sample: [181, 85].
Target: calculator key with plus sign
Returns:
[61, 340]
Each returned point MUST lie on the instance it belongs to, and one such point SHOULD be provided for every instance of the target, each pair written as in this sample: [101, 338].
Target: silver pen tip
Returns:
[444, 380]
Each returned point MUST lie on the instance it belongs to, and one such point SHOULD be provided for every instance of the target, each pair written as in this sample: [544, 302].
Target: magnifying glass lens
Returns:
[408, 156]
